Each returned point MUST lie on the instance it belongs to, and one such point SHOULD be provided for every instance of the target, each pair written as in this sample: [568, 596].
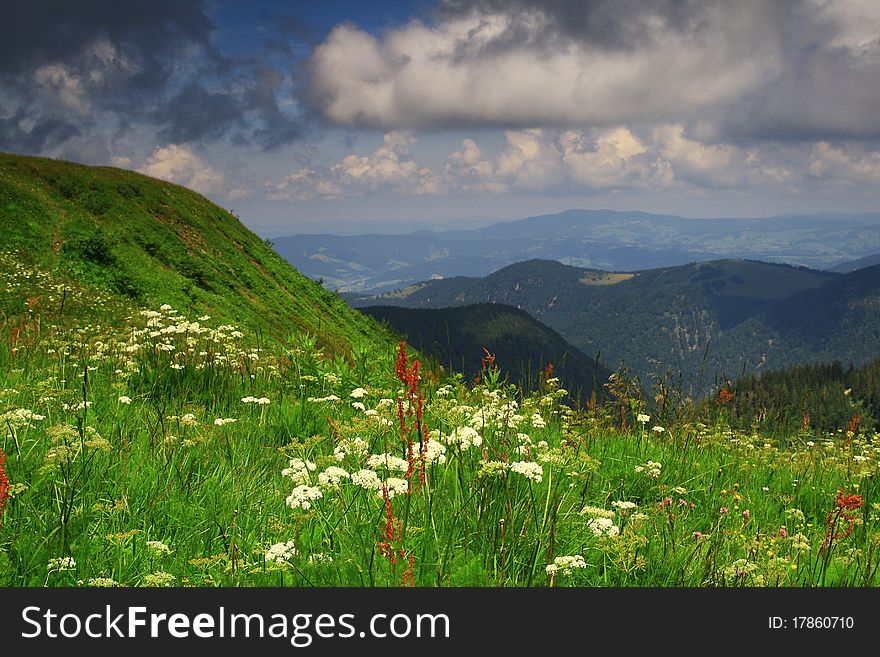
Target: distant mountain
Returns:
[712, 320]
[522, 346]
[852, 265]
[600, 239]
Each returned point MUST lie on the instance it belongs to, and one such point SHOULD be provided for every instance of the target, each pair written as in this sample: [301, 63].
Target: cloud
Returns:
[541, 161]
[834, 163]
[793, 69]
[179, 164]
[74, 68]
[389, 167]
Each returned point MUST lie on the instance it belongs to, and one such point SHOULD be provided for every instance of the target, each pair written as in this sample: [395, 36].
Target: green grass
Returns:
[100, 482]
[153, 242]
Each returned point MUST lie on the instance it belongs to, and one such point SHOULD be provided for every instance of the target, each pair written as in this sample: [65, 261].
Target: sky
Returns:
[348, 117]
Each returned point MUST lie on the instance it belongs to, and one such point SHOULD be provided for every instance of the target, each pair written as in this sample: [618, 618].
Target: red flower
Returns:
[4, 485]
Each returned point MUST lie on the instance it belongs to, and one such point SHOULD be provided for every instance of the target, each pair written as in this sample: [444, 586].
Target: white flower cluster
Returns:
[596, 512]
[566, 565]
[59, 564]
[332, 476]
[299, 470]
[464, 437]
[651, 469]
[538, 421]
[435, 452]
[643, 419]
[124, 400]
[358, 393]
[221, 421]
[623, 506]
[20, 417]
[388, 461]
[260, 401]
[159, 548]
[350, 447]
[603, 527]
[366, 479]
[393, 486]
[302, 497]
[529, 470]
[281, 552]
[328, 398]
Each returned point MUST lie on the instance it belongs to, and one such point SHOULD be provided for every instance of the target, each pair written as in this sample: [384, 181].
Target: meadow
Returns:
[145, 447]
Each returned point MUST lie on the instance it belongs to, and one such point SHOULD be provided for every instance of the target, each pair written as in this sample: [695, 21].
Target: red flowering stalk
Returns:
[4, 485]
[409, 578]
[410, 420]
[843, 506]
[391, 545]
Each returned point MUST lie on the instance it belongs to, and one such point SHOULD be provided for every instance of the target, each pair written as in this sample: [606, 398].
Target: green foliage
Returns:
[152, 242]
[710, 322]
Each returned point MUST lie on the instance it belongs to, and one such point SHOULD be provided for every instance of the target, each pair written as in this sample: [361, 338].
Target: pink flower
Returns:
[698, 534]
[746, 514]
[783, 532]
[723, 510]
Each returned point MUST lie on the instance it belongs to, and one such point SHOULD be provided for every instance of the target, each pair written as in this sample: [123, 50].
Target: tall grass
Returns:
[145, 448]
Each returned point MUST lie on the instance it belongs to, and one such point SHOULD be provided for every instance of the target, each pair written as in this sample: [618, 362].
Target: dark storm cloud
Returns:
[195, 114]
[612, 24]
[90, 66]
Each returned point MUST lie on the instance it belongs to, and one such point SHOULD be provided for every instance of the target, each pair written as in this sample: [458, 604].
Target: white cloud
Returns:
[834, 163]
[611, 158]
[452, 73]
[59, 83]
[758, 68]
[388, 167]
[178, 163]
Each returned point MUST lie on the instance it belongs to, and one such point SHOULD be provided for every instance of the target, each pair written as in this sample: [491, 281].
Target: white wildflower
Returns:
[281, 552]
[59, 564]
[159, 547]
[603, 527]
[332, 476]
[299, 470]
[302, 497]
[529, 470]
[566, 565]
[388, 461]
[393, 486]
[366, 479]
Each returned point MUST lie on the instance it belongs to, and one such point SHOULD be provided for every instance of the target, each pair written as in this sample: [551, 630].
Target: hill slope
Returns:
[721, 319]
[522, 346]
[852, 265]
[152, 242]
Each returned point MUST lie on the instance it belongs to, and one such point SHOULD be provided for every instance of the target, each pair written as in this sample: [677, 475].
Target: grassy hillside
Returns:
[143, 443]
[522, 346]
[712, 318]
[151, 242]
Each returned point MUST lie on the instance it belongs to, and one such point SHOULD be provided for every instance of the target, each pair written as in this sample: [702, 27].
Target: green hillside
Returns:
[522, 346]
[146, 444]
[150, 242]
[708, 321]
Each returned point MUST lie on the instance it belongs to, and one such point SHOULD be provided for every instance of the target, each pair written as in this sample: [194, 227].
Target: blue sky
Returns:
[362, 116]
